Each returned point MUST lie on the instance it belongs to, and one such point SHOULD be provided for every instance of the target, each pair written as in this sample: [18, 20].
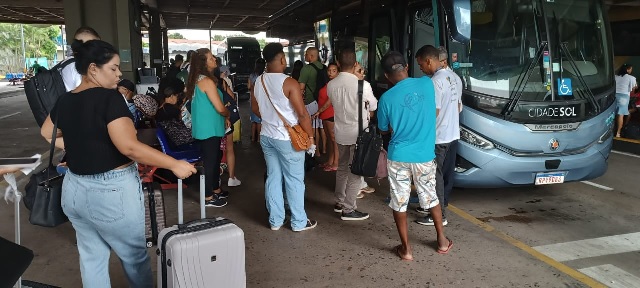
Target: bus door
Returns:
[380, 42]
[424, 25]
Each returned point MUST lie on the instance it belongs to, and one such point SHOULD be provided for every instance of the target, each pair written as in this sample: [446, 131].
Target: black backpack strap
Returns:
[360, 100]
[316, 67]
[63, 64]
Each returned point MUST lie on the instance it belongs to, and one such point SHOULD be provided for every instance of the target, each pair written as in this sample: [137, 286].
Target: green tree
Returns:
[38, 42]
[175, 36]
[263, 42]
[218, 37]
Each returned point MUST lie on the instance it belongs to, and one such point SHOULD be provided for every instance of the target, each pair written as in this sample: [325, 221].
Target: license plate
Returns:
[550, 178]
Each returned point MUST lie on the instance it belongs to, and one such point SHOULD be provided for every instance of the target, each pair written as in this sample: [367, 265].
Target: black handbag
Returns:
[368, 145]
[44, 192]
[232, 106]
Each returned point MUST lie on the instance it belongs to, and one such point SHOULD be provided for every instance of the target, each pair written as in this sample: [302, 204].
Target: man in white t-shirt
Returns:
[448, 87]
[70, 75]
[343, 93]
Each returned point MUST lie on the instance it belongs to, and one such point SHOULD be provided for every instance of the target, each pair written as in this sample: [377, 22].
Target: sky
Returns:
[204, 34]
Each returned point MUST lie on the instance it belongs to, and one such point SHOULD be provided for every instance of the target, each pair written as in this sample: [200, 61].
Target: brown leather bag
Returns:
[299, 138]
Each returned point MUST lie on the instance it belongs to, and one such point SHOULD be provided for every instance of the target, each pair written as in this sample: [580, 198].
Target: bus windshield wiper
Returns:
[590, 96]
[522, 80]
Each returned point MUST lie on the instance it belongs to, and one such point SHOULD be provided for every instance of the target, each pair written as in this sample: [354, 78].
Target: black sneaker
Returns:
[337, 208]
[216, 202]
[355, 215]
[422, 210]
[310, 225]
[222, 194]
[429, 221]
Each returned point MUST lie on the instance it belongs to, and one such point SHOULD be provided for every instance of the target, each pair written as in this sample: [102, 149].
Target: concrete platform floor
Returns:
[494, 231]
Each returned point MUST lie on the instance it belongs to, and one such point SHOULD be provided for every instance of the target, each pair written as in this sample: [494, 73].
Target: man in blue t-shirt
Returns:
[408, 112]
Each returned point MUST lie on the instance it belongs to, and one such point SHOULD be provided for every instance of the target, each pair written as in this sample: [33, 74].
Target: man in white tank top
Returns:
[274, 92]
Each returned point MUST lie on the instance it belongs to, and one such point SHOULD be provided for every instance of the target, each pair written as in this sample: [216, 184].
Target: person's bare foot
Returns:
[445, 246]
[403, 253]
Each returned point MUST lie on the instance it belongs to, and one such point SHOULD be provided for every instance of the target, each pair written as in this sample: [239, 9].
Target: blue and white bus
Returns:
[538, 83]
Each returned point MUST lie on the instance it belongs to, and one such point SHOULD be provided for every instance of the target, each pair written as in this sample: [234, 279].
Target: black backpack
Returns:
[321, 79]
[43, 90]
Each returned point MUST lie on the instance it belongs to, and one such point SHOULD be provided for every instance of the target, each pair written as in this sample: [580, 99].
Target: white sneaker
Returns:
[233, 182]
[368, 189]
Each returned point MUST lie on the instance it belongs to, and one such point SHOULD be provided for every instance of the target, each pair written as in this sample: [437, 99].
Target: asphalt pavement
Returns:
[565, 235]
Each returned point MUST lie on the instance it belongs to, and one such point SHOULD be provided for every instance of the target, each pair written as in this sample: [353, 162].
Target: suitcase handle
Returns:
[213, 222]
[203, 214]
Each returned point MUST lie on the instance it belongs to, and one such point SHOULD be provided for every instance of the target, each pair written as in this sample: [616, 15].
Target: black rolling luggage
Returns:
[154, 217]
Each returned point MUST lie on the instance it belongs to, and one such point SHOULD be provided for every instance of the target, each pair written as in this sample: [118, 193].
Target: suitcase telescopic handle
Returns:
[210, 222]
[181, 197]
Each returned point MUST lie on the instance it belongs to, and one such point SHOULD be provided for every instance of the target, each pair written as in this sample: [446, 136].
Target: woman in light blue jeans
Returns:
[107, 212]
[101, 192]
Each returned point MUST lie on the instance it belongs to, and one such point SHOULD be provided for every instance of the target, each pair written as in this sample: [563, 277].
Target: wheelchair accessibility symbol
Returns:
[564, 87]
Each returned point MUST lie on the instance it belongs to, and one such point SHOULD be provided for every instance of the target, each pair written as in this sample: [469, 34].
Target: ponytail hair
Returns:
[84, 30]
[623, 70]
[97, 52]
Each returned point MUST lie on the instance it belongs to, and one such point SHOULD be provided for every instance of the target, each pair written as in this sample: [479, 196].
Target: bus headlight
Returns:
[474, 139]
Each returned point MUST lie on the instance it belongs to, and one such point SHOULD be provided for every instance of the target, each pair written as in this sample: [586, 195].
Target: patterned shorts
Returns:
[424, 178]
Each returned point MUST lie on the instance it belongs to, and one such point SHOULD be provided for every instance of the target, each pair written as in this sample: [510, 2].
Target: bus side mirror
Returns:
[459, 20]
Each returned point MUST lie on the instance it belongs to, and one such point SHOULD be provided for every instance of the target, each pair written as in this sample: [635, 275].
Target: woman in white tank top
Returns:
[625, 83]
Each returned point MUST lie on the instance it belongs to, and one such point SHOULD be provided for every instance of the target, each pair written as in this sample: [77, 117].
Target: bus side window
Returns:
[381, 37]
[423, 34]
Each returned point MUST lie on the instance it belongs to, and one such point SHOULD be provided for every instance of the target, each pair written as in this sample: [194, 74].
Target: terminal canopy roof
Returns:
[289, 19]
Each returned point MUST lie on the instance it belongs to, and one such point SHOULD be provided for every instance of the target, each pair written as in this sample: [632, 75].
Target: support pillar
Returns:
[155, 42]
[117, 22]
[165, 46]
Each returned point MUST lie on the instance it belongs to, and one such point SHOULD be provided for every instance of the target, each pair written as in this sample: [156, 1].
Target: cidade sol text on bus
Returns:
[553, 112]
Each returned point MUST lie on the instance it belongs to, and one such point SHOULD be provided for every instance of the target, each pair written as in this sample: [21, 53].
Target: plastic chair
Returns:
[188, 152]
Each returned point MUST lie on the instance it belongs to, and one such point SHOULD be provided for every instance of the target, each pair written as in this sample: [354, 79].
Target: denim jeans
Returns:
[284, 163]
[107, 212]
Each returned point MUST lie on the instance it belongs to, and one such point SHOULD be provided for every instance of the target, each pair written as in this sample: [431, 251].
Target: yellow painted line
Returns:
[627, 140]
[575, 274]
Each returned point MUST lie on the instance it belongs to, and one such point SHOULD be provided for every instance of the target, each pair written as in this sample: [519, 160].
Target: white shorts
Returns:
[424, 178]
[312, 108]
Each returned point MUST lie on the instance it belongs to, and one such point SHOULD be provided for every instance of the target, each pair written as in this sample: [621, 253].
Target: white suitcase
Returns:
[204, 253]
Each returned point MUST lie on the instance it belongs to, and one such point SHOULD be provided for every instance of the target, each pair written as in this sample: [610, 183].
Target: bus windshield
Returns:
[516, 46]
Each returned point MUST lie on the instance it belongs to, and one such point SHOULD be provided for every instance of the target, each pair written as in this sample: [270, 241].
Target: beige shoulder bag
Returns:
[299, 138]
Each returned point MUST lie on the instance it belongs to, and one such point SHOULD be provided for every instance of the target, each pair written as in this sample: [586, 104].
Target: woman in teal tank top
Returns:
[209, 120]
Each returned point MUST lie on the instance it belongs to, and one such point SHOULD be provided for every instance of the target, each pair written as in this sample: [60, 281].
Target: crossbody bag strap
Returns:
[53, 146]
[264, 87]
[360, 120]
